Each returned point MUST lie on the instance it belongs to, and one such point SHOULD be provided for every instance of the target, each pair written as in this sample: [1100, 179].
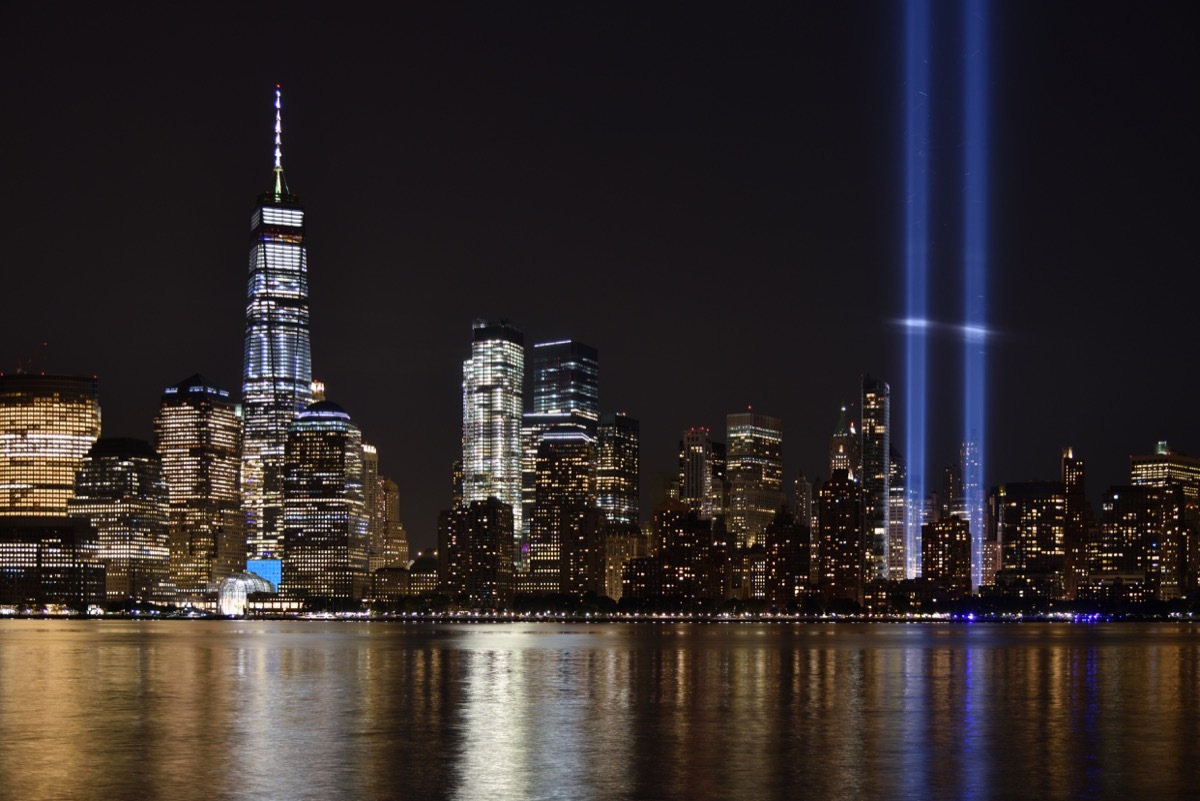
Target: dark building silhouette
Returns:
[841, 538]
[475, 544]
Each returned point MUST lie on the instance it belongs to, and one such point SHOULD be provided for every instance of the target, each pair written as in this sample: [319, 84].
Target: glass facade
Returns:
[875, 474]
[120, 491]
[755, 471]
[563, 536]
[493, 389]
[47, 425]
[325, 537]
[277, 381]
[618, 469]
[198, 437]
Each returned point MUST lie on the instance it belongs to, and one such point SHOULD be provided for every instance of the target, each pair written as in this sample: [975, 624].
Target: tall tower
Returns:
[277, 382]
[875, 474]
[696, 471]
[843, 447]
[755, 471]
[493, 386]
[566, 552]
[198, 437]
[566, 393]
[618, 468]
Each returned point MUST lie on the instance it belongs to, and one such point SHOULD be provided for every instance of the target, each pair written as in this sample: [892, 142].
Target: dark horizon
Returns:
[712, 200]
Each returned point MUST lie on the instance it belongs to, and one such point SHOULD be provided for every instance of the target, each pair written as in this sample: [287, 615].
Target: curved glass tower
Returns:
[278, 367]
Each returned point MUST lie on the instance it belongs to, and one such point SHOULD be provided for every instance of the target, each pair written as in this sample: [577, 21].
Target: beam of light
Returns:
[916, 267]
[975, 148]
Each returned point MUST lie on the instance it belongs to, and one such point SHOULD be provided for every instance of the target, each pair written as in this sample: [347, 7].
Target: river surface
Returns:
[331, 710]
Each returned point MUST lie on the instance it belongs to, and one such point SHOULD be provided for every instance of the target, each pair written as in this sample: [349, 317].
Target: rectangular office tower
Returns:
[198, 438]
[618, 470]
[875, 474]
[277, 381]
[566, 394]
[755, 473]
[47, 425]
[493, 388]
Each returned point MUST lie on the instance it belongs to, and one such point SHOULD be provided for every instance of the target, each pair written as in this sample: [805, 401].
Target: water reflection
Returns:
[228, 710]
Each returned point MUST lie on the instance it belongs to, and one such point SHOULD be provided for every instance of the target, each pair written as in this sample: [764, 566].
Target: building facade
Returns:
[120, 492]
[325, 524]
[875, 475]
[475, 543]
[47, 426]
[277, 379]
[618, 468]
[754, 469]
[493, 388]
[564, 534]
[840, 536]
[198, 438]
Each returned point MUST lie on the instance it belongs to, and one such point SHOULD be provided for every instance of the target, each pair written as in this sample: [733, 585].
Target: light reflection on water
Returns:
[270, 710]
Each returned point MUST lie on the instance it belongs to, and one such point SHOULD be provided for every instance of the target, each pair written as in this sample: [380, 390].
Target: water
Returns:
[328, 710]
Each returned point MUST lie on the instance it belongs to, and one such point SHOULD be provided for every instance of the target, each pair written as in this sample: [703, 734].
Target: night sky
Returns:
[710, 195]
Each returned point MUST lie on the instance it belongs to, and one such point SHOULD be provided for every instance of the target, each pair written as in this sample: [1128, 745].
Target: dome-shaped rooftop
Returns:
[324, 409]
[234, 591]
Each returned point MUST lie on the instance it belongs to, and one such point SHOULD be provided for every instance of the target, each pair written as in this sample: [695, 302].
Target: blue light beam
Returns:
[916, 267]
[975, 244]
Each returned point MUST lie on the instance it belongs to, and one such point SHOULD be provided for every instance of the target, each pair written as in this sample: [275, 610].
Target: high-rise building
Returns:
[1166, 466]
[946, 555]
[198, 438]
[564, 534]
[324, 523]
[755, 473]
[841, 538]
[392, 549]
[48, 560]
[475, 558]
[875, 474]
[789, 560]
[120, 492]
[696, 477]
[623, 542]
[566, 394]
[1075, 534]
[493, 387]
[618, 469]
[901, 565]
[47, 425]
[843, 447]
[277, 381]
[1142, 536]
[1031, 531]
[973, 505]
[372, 507]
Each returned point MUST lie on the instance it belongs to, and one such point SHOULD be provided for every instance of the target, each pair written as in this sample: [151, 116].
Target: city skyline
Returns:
[411, 240]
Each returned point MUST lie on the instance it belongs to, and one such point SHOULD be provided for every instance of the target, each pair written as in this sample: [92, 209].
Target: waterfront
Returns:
[320, 710]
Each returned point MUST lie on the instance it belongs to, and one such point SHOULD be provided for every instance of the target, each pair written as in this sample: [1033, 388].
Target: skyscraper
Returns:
[120, 491]
[841, 540]
[618, 470]
[277, 382]
[901, 563]
[696, 471]
[566, 549]
[1031, 530]
[973, 504]
[566, 394]
[324, 522]
[493, 386]
[755, 473]
[475, 543]
[198, 437]
[875, 474]
[946, 555]
[843, 447]
[47, 425]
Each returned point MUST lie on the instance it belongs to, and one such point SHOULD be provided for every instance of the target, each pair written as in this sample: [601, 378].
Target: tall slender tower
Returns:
[755, 469]
[875, 475]
[493, 380]
[277, 382]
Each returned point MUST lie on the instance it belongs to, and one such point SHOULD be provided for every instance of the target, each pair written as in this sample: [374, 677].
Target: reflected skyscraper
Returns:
[277, 382]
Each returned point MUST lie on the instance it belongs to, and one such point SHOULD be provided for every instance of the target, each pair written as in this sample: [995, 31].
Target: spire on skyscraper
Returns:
[280, 182]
